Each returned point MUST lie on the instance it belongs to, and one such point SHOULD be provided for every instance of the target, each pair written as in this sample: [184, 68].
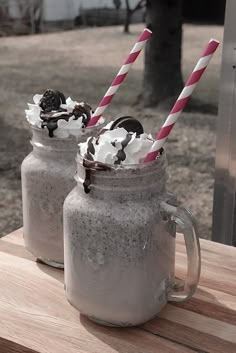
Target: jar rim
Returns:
[118, 167]
[44, 132]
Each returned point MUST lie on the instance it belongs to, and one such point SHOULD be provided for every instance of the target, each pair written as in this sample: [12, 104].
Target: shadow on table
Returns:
[122, 340]
[205, 303]
[56, 273]
[175, 325]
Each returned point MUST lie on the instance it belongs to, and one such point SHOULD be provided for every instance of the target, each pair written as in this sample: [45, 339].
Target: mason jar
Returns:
[47, 175]
[119, 242]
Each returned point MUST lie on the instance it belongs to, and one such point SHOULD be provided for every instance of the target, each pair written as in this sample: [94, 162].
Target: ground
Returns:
[82, 63]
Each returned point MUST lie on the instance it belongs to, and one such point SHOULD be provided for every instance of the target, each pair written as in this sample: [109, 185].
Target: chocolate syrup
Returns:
[90, 165]
[84, 111]
[52, 111]
[121, 153]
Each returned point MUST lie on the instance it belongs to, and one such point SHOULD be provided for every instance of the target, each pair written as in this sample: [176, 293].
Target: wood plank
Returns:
[7, 346]
[213, 304]
[218, 265]
[215, 296]
[15, 237]
[16, 250]
[204, 330]
[14, 244]
[200, 323]
[225, 259]
[199, 340]
[212, 276]
[35, 314]
[206, 322]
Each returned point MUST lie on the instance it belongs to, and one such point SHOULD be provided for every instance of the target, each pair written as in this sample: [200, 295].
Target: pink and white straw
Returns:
[182, 99]
[139, 45]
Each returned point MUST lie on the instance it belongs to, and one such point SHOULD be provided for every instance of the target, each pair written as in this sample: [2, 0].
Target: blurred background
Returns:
[78, 47]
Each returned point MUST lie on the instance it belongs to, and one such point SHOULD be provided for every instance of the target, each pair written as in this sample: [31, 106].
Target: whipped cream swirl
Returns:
[117, 147]
[67, 124]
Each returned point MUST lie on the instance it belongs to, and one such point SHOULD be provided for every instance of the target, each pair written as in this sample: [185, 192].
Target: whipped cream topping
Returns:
[74, 126]
[117, 147]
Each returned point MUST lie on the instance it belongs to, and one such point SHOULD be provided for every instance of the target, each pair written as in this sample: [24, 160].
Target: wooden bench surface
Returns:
[35, 316]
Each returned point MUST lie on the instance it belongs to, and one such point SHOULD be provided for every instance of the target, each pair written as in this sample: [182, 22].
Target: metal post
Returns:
[224, 205]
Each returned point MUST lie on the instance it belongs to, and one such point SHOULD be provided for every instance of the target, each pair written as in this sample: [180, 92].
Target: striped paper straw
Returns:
[182, 99]
[140, 43]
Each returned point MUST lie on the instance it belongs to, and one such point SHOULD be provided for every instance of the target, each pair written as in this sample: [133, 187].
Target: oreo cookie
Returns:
[129, 123]
[84, 111]
[51, 100]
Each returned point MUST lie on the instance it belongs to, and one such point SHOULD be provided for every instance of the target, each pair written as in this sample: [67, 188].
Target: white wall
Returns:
[88, 4]
[53, 10]
[56, 10]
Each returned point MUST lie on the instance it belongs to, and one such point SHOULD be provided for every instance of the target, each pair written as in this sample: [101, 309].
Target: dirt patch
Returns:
[82, 63]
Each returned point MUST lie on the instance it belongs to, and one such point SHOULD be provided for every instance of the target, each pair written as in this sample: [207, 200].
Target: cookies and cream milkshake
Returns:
[58, 124]
[119, 230]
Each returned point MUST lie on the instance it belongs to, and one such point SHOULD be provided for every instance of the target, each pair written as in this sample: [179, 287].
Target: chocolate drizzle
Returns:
[92, 166]
[50, 120]
[121, 153]
[83, 110]
[131, 125]
[52, 111]
[90, 149]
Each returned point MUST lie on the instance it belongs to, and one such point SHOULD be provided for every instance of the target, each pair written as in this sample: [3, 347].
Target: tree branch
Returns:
[127, 5]
[139, 6]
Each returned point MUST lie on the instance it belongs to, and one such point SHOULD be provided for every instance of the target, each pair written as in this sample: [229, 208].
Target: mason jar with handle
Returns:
[119, 243]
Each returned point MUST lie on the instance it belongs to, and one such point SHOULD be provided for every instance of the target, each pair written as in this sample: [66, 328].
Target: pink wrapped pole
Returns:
[182, 99]
[139, 45]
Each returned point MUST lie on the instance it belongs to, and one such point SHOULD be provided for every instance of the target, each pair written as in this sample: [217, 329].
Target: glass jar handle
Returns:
[186, 221]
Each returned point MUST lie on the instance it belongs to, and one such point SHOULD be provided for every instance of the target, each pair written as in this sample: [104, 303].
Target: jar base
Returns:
[51, 263]
[105, 323]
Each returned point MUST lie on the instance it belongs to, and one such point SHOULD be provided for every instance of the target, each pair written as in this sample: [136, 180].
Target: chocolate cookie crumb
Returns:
[51, 100]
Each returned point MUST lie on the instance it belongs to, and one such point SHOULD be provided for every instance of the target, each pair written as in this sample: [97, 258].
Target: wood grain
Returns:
[208, 320]
[35, 316]
[7, 346]
[201, 341]
[212, 310]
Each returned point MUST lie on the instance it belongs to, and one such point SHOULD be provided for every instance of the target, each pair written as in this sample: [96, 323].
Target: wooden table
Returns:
[35, 316]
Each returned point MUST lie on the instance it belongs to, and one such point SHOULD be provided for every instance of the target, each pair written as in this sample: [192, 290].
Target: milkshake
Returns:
[119, 231]
[58, 124]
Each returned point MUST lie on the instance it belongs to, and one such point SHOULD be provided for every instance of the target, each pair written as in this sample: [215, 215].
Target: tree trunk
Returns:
[127, 20]
[162, 73]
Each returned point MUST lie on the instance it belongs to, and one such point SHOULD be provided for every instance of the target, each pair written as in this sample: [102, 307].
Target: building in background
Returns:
[32, 16]
[43, 15]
